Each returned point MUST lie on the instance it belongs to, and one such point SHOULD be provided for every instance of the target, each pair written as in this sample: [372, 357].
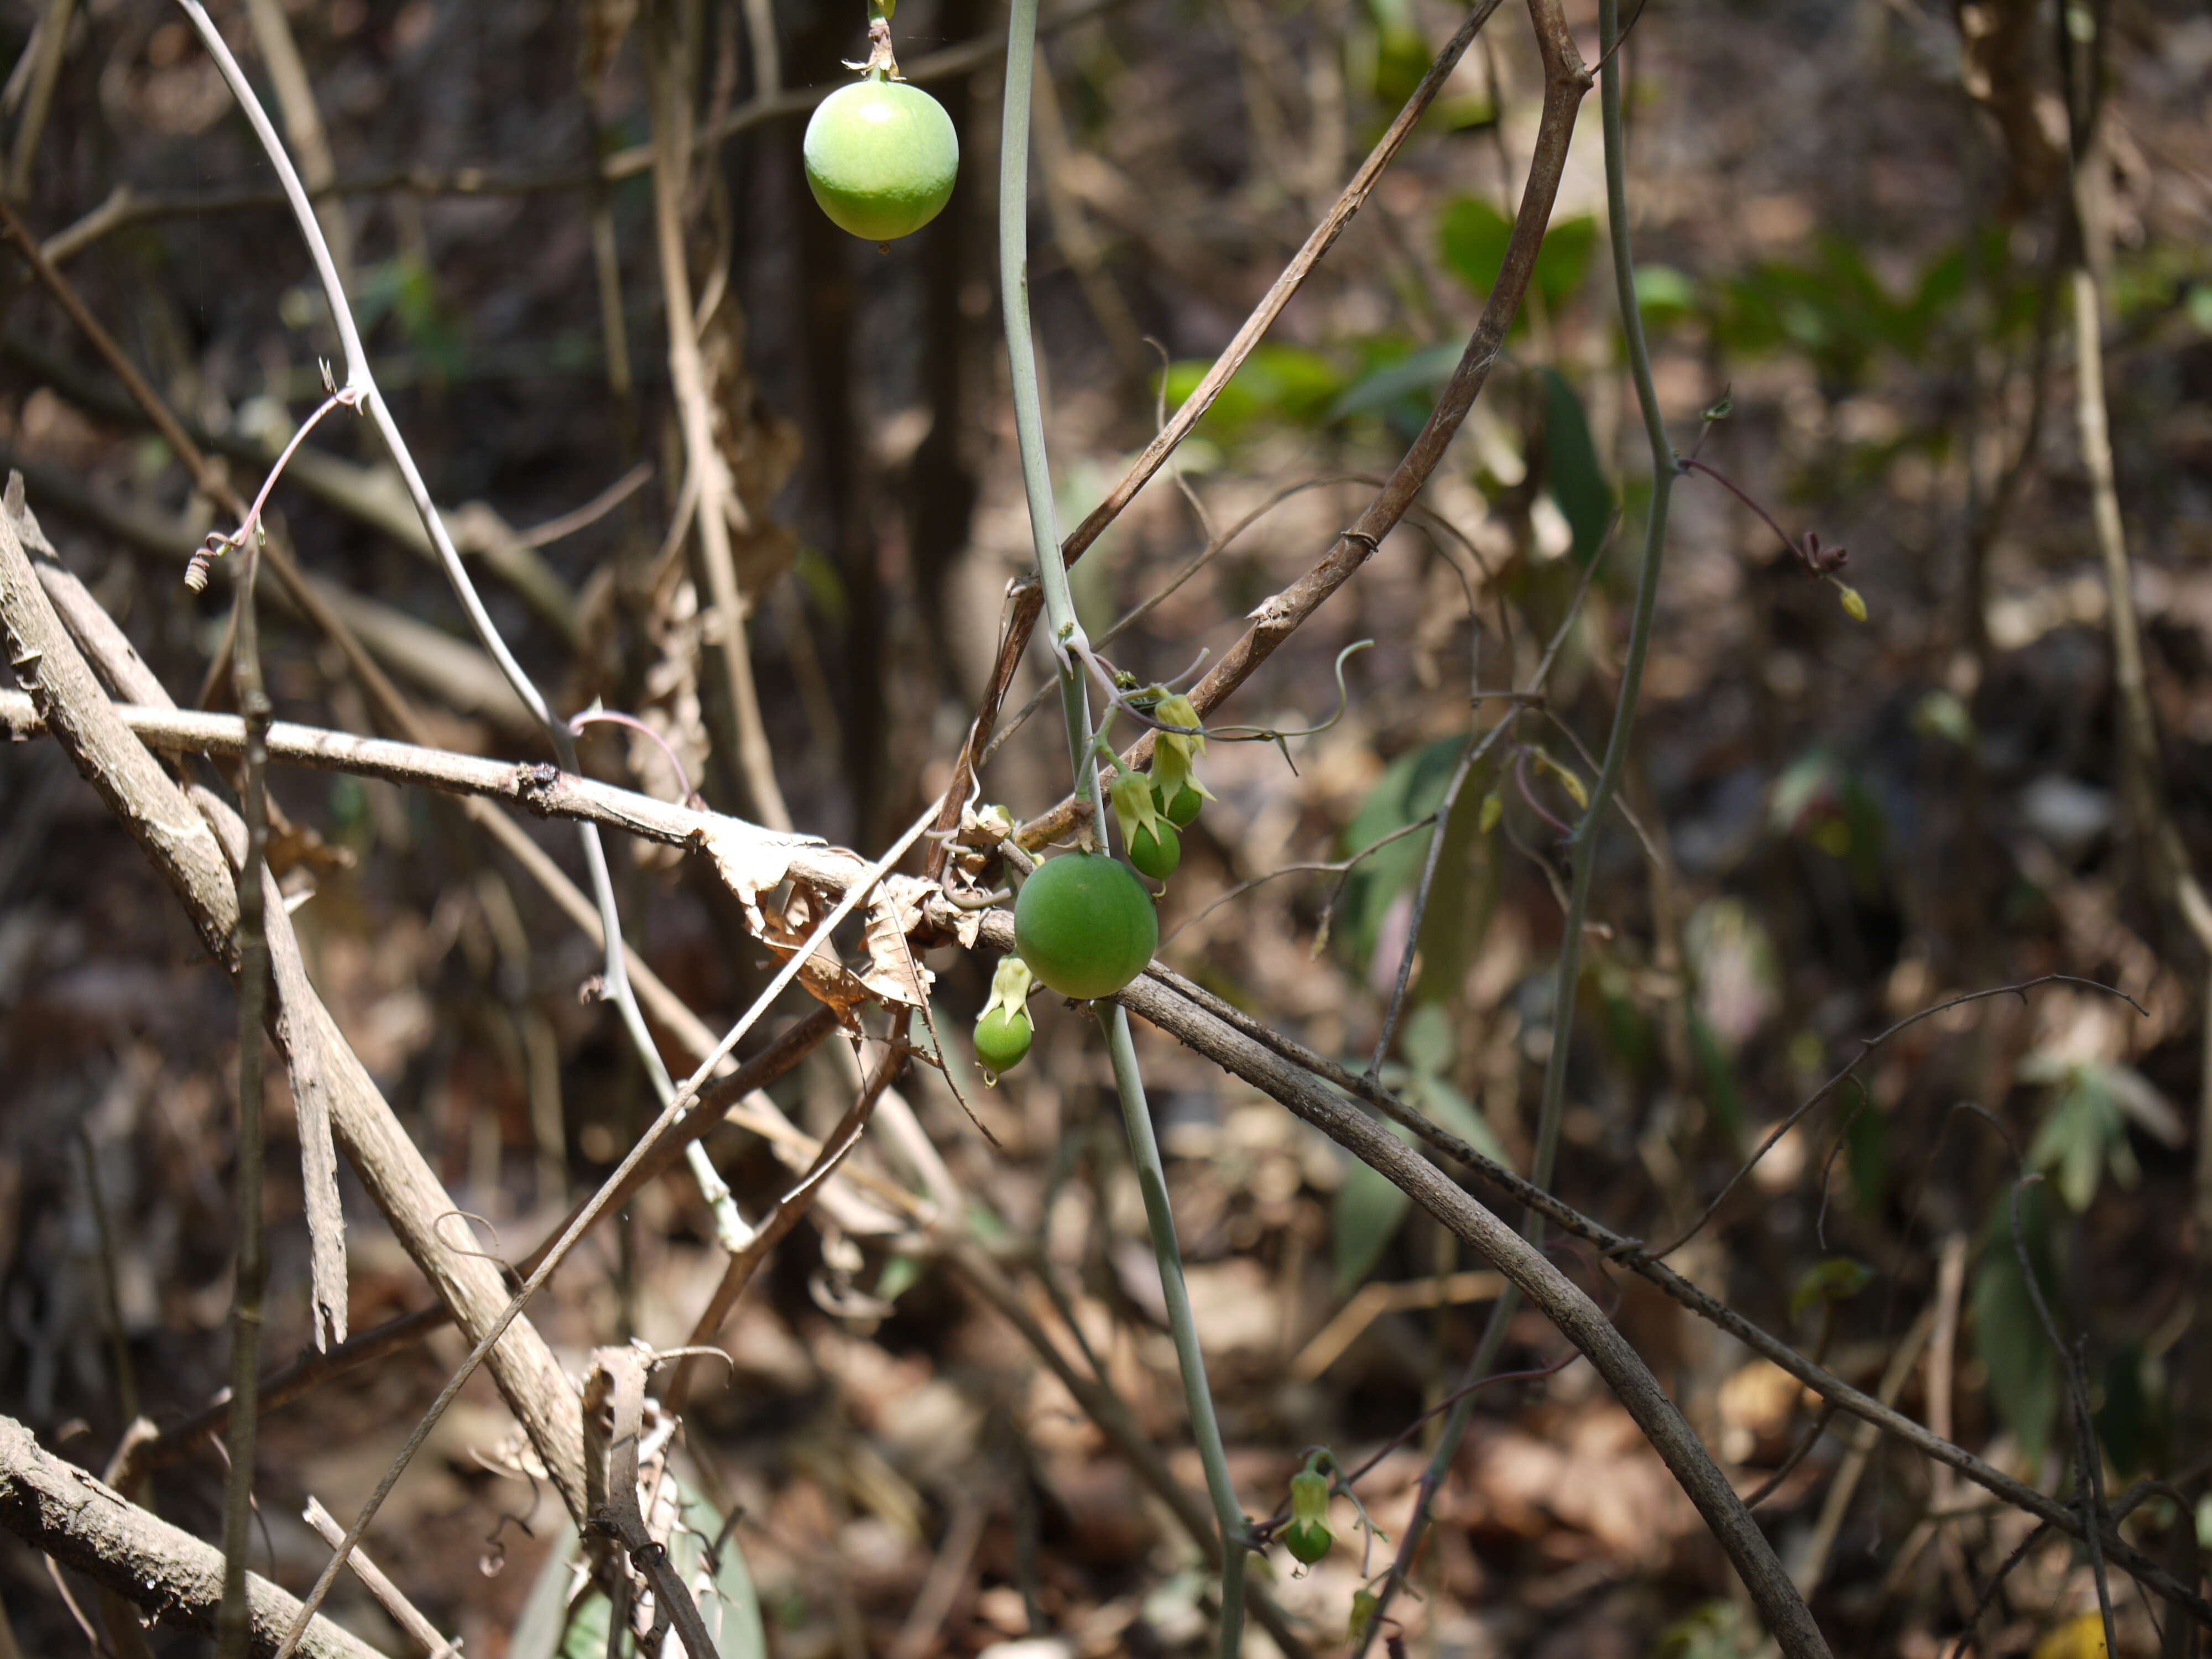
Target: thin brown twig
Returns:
[1029, 599]
[729, 1097]
[1567, 81]
[1163, 983]
[788, 1212]
[389, 1596]
[2089, 1460]
[1867, 1046]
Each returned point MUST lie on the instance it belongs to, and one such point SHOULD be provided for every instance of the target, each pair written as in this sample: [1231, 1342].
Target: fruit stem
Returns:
[1206, 1427]
[882, 65]
[1072, 649]
[1029, 407]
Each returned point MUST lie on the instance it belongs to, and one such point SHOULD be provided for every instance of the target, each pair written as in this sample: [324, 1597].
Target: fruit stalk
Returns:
[1069, 648]
[1067, 635]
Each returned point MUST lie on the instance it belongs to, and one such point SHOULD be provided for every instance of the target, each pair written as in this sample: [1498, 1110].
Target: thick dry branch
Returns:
[185, 835]
[540, 788]
[1575, 1316]
[1235, 1042]
[1626, 1252]
[87, 1525]
[732, 1096]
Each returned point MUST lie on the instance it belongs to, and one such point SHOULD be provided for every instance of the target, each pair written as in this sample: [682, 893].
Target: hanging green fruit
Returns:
[882, 158]
[1308, 1537]
[1003, 1029]
[1154, 847]
[1176, 787]
[1085, 924]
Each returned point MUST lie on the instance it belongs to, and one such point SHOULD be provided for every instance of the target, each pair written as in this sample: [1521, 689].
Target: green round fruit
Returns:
[881, 158]
[1001, 1040]
[1308, 1541]
[1086, 926]
[1180, 808]
[1157, 856]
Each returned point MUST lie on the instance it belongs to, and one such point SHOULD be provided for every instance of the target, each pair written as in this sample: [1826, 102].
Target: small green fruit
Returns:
[1085, 925]
[1154, 847]
[1001, 1040]
[881, 158]
[1181, 807]
[1308, 1537]
[1156, 852]
[1308, 1541]
[1175, 788]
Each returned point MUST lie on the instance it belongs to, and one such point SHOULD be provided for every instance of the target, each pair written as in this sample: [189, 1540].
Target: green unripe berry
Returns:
[881, 158]
[1001, 1040]
[1156, 851]
[1182, 806]
[1085, 925]
[1308, 1537]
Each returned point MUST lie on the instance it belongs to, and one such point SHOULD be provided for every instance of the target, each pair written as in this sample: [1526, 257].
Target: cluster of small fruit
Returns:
[1084, 925]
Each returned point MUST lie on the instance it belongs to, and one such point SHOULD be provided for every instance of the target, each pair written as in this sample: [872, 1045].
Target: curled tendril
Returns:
[217, 545]
[596, 715]
[1268, 734]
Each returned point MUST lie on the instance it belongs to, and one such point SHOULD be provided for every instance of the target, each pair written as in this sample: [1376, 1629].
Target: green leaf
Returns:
[1867, 1151]
[2023, 1373]
[1708, 1631]
[1837, 1280]
[1446, 1106]
[1424, 372]
[2131, 1422]
[1427, 1042]
[1472, 236]
[1369, 1210]
[1564, 259]
[1411, 787]
[900, 1274]
[1284, 384]
[1943, 713]
[1664, 295]
[1576, 480]
[2083, 1135]
[731, 1608]
[538, 1632]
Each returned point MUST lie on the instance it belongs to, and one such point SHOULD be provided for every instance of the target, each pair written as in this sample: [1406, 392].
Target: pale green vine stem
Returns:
[1067, 635]
[1583, 848]
[1152, 1182]
[361, 381]
[1070, 648]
